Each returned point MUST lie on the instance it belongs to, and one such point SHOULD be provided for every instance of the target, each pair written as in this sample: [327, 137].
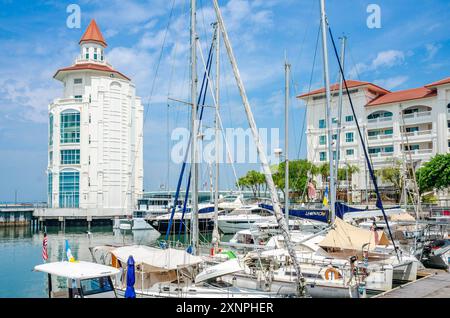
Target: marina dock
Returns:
[435, 284]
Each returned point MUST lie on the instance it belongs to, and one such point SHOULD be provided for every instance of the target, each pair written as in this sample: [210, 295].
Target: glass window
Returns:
[322, 140]
[349, 118]
[323, 156]
[70, 157]
[69, 189]
[412, 147]
[411, 110]
[50, 157]
[78, 96]
[389, 149]
[448, 106]
[388, 131]
[49, 189]
[322, 123]
[78, 81]
[373, 132]
[334, 137]
[334, 120]
[334, 155]
[350, 152]
[70, 127]
[374, 150]
[349, 137]
[95, 53]
[96, 285]
[412, 129]
[50, 130]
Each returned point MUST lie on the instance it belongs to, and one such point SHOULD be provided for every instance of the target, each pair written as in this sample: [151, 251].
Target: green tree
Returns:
[435, 174]
[253, 180]
[298, 175]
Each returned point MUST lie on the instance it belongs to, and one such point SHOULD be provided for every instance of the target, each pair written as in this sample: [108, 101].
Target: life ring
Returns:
[336, 274]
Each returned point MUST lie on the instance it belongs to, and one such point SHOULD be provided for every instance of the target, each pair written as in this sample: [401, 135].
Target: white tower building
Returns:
[95, 164]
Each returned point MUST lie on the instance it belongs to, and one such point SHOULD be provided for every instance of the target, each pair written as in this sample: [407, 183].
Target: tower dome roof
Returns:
[93, 34]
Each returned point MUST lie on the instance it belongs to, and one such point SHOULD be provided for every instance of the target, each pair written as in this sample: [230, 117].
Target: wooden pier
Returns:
[435, 284]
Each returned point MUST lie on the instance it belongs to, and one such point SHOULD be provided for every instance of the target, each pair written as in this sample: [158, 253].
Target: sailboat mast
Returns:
[217, 93]
[339, 117]
[287, 69]
[194, 161]
[262, 156]
[328, 108]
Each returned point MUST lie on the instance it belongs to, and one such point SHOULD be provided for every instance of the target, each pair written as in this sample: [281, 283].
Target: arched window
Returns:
[416, 109]
[115, 85]
[70, 126]
[86, 50]
[50, 189]
[69, 188]
[50, 129]
[380, 114]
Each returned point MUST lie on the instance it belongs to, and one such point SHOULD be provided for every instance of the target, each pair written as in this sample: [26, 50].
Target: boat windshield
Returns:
[96, 285]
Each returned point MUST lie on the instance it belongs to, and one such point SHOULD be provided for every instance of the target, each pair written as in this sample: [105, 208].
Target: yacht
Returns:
[243, 218]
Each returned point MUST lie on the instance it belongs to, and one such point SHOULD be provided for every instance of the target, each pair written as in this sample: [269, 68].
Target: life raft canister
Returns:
[332, 273]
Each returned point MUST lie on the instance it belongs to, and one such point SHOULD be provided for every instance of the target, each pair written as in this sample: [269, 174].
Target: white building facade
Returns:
[395, 125]
[95, 146]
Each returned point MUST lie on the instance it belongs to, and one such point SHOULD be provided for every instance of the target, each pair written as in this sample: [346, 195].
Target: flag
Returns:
[70, 257]
[311, 190]
[325, 197]
[44, 248]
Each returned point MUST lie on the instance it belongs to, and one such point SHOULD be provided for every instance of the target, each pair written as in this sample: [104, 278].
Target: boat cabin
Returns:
[80, 279]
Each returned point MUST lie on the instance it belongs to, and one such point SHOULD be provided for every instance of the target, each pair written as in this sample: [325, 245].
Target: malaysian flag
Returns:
[44, 248]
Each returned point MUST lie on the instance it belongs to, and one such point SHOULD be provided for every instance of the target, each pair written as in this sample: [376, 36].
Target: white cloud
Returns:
[432, 50]
[384, 59]
[388, 59]
[392, 82]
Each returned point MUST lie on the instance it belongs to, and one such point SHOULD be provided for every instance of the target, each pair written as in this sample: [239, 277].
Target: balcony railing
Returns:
[417, 115]
[379, 120]
[418, 133]
[380, 137]
[381, 155]
[425, 151]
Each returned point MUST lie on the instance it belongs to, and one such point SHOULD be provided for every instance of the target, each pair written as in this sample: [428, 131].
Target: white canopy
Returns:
[77, 270]
[228, 267]
[348, 237]
[167, 259]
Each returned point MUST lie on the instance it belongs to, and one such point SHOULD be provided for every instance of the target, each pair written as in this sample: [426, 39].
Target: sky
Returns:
[149, 42]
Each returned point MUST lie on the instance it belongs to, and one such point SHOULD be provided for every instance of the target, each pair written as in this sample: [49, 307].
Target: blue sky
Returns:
[410, 49]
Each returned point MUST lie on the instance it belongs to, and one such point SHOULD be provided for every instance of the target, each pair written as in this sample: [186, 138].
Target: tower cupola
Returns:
[92, 44]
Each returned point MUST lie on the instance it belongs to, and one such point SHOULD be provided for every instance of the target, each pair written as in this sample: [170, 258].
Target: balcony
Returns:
[380, 137]
[417, 116]
[381, 155]
[380, 121]
[419, 152]
[419, 133]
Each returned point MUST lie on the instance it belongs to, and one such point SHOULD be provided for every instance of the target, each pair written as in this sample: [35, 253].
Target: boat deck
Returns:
[435, 284]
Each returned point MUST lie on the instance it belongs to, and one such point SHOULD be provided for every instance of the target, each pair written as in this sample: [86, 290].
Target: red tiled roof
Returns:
[409, 94]
[441, 82]
[90, 66]
[93, 34]
[350, 84]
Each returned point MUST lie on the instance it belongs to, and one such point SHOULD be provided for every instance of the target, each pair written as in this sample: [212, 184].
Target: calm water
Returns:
[21, 250]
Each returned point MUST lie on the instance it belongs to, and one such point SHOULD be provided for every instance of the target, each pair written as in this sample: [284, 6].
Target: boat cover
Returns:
[156, 259]
[348, 237]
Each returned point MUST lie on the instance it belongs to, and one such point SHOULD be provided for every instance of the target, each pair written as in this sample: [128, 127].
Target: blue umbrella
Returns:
[129, 292]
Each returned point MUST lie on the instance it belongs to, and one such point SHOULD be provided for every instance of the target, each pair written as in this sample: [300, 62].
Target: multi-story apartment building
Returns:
[395, 125]
[95, 158]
